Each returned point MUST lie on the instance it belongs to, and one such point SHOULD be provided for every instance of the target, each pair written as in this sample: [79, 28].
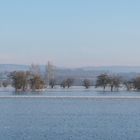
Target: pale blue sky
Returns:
[70, 33]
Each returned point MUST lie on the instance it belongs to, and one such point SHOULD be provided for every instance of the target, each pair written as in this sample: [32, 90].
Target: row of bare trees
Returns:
[23, 81]
[116, 82]
[33, 80]
[111, 81]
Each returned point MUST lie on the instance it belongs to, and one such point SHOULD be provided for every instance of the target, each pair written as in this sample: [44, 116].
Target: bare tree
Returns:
[114, 82]
[63, 84]
[19, 80]
[136, 83]
[36, 82]
[52, 83]
[86, 83]
[102, 81]
[49, 73]
[69, 82]
[129, 84]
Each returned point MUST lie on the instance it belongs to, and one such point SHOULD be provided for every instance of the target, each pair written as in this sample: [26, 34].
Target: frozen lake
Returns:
[69, 118]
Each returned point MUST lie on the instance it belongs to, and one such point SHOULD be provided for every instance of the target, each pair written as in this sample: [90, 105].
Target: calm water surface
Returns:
[69, 119]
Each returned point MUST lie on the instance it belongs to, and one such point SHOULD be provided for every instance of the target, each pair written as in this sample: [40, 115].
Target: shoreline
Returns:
[70, 97]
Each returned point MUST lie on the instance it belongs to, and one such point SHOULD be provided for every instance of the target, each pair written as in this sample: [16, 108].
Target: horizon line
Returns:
[78, 67]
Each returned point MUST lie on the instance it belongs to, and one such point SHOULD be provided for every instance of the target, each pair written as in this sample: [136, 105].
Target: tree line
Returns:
[33, 81]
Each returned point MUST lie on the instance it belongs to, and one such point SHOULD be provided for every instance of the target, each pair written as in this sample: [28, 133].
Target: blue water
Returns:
[69, 119]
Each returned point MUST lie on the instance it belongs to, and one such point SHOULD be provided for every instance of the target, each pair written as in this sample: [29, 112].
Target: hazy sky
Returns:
[70, 33]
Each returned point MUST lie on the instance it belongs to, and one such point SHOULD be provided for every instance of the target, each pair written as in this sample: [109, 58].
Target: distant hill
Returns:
[13, 67]
[116, 69]
[78, 73]
[110, 69]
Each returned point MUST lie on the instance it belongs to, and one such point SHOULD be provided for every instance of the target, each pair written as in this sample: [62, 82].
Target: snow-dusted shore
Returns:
[60, 89]
[72, 97]
[7, 89]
